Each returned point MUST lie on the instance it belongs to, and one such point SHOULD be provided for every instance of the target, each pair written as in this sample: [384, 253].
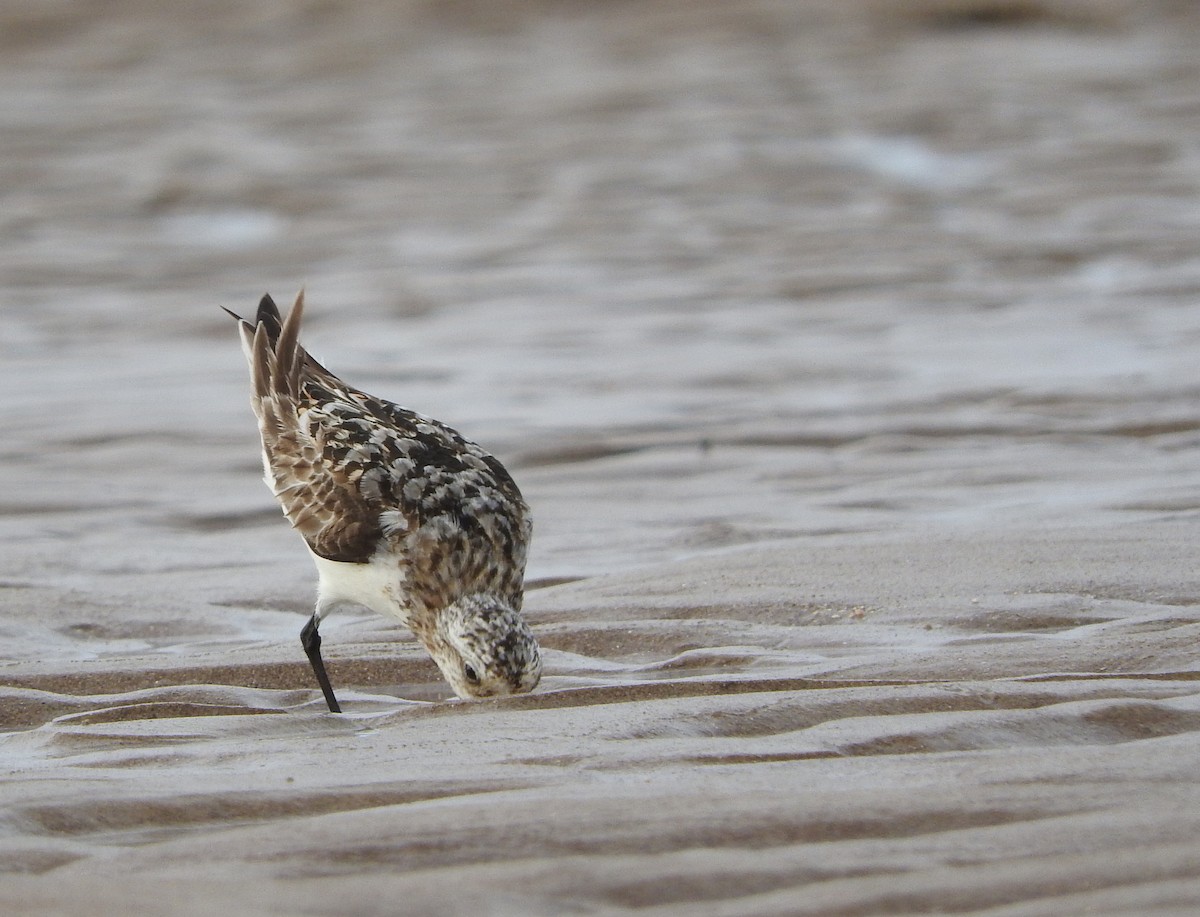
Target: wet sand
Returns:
[846, 353]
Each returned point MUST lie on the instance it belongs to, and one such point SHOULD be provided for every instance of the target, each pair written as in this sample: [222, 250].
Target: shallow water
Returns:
[845, 351]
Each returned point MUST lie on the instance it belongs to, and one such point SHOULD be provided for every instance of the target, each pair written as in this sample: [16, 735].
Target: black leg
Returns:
[311, 641]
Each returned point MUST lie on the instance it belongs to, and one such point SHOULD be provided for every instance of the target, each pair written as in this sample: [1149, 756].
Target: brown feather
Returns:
[337, 459]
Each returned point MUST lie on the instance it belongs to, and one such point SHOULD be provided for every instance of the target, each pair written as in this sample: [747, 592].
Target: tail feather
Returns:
[246, 332]
[289, 355]
[262, 364]
[272, 348]
[268, 317]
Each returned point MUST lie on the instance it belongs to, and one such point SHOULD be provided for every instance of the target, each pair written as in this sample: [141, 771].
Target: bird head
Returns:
[484, 647]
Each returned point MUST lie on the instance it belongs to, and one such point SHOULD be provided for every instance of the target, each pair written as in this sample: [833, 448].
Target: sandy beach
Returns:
[846, 352]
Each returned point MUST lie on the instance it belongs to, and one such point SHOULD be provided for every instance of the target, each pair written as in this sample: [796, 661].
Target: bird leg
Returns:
[311, 641]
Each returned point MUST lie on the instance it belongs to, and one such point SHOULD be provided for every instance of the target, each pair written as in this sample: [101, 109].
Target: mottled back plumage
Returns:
[400, 511]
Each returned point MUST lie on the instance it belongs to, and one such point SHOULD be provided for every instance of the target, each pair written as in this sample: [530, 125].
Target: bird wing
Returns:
[319, 496]
[350, 469]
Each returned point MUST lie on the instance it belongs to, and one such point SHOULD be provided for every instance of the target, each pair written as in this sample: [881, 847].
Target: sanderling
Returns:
[400, 513]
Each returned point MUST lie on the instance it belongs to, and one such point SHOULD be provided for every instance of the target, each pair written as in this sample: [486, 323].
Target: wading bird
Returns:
[400, 513]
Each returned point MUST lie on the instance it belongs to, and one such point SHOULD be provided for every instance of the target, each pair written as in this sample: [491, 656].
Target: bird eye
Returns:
[471, 675]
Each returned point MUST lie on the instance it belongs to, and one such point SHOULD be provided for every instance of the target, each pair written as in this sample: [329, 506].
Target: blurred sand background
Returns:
[846, 352]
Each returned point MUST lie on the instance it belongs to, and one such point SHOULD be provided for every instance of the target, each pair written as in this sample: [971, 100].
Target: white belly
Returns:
[377, 584]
